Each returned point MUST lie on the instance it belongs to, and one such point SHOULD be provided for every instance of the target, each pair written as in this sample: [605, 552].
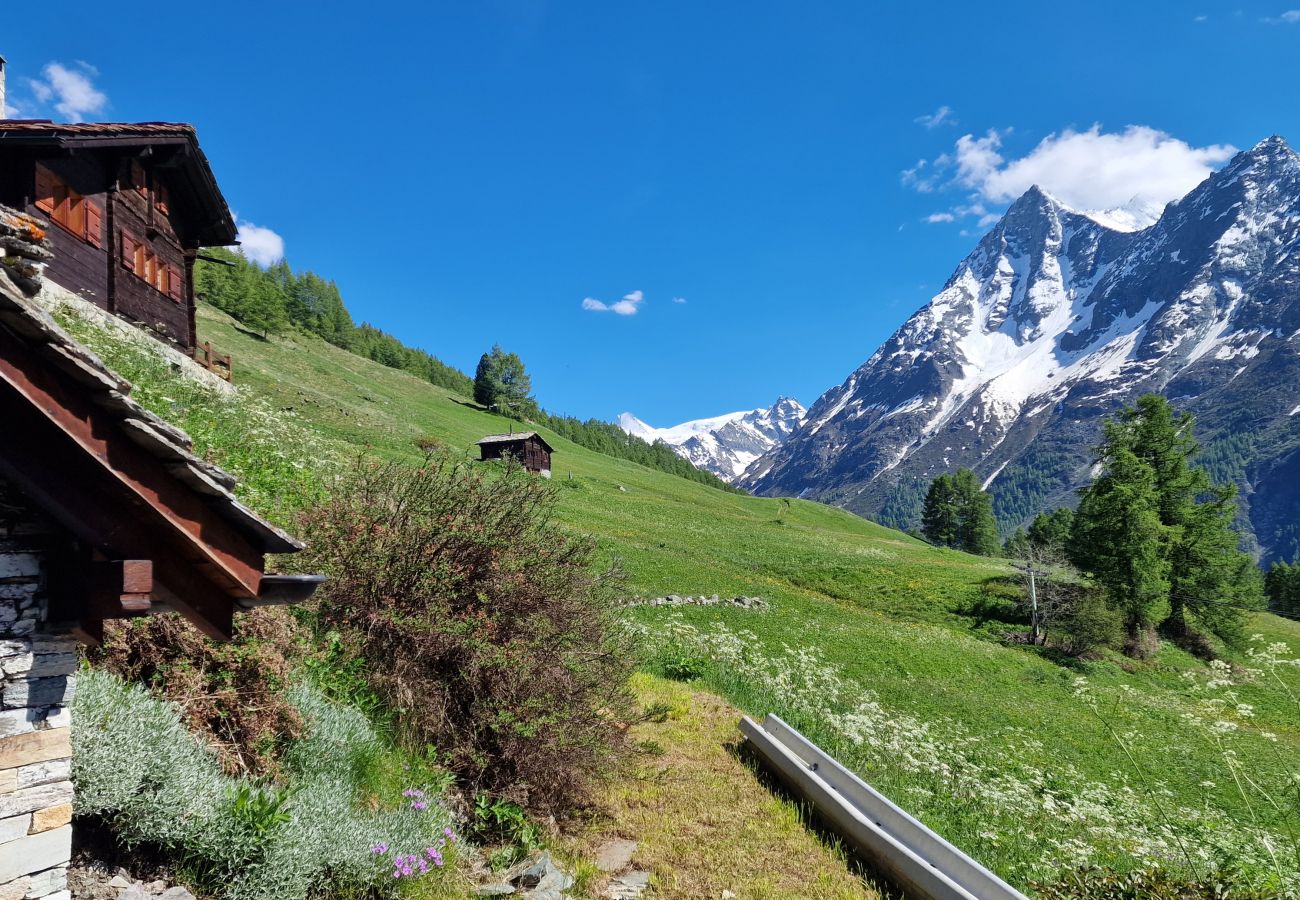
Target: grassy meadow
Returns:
[886, 650]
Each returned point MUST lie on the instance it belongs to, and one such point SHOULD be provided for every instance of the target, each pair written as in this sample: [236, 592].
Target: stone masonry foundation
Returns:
[37, 674]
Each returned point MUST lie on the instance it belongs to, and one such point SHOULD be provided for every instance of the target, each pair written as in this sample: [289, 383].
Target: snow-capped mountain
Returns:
[724, 445]
[1055, 320]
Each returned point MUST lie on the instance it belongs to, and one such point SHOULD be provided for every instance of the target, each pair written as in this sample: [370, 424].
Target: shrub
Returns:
[232, 694]
[482, 625]
[1089, 623]
[139, 770]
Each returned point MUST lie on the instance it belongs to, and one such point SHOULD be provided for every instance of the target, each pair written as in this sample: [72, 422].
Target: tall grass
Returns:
[1006, 801]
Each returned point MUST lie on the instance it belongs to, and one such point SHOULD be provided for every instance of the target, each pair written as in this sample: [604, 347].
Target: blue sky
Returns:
[496, 171]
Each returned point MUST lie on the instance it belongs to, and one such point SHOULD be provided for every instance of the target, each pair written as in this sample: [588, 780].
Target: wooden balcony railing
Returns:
[219, 363]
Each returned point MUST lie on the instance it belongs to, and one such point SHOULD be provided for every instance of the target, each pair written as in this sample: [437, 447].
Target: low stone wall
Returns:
[714, 600]
[37, 675]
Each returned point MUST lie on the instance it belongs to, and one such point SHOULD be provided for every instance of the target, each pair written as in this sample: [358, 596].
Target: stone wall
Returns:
[38, 662]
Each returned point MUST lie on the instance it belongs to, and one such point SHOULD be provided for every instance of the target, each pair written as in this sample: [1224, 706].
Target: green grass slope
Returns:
[874, 644]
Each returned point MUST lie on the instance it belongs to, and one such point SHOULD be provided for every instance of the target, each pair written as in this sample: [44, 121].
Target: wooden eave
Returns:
[125, 486]
[211, 220]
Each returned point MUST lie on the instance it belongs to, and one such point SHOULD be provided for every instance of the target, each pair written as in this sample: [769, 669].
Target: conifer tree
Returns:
[501, 381]
[1118, 535]
[957, 513]
[1051, 530]
[1282, 585]
[939, 516]
[1018, 545]
[977, 529]
[1176, 515]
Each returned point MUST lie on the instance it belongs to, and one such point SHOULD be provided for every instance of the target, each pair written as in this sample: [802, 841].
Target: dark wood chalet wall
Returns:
[78, 264]
[135, 298]
[98, 273]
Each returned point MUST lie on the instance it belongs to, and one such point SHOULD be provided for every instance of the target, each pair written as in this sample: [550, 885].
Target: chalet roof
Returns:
[119, 477]
[172, 446]
[216, 225]
[514, 438]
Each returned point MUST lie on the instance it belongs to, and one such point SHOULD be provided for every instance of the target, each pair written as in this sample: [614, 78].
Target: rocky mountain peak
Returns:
[725, 445]
[1052, 322]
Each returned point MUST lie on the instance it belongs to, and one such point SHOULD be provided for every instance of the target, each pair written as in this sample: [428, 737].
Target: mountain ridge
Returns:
[725, 445]
[1053, 321]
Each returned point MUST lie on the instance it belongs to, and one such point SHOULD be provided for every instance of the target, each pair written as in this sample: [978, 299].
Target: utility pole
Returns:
[1034, 621]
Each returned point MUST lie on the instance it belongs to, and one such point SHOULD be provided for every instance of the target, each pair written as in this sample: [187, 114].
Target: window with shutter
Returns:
[129, 247]
[94, 224]
[75, 218]
[45, 186]
[138, 179]
[175, 285]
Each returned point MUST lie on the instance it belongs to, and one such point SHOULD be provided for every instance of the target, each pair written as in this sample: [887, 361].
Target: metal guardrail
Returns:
[919, 861]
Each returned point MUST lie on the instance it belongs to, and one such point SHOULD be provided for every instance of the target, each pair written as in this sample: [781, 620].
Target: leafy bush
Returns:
[231, 694]
[1089, 623]
[138, 769]
[482, 625]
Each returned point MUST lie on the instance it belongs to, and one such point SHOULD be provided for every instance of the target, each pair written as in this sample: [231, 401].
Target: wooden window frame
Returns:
[71, 211]
[152, 269]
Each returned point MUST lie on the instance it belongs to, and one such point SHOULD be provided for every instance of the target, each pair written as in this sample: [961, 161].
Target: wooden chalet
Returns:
[526, 447]
[132, 205]
[105, 513]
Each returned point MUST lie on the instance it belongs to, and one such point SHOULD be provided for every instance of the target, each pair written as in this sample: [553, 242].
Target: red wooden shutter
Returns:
[174, 284]
[94, 224]
[45, 182]
[128, 251]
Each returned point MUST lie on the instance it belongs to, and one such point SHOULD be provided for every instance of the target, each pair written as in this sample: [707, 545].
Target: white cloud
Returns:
[922, 180]
[1087, 170]
[1094, 170]
[261, 245]
[941, 116]
[1290, 17]
[628, 306]
[679, 299]
[1200, 18]
[71, 90]
[932, 218]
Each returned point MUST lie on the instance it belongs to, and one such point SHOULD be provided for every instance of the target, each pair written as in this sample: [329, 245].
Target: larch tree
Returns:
[939, 515]
[1119, 538]
[977, 529]
[1154, 524]
[501, 381]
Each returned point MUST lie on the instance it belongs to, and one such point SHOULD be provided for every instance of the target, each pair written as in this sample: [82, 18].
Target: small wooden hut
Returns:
[526, 447]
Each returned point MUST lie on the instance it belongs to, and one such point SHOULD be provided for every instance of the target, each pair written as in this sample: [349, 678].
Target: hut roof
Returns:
[514, 437]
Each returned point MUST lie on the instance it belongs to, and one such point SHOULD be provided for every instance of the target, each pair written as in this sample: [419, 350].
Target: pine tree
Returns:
[501, 381]
[1154, 523]
[939, 516]
[1051, 530]
[1282, 585]
[977, 529]
[1118, 535]
[1018, 545]
[1209, 575]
